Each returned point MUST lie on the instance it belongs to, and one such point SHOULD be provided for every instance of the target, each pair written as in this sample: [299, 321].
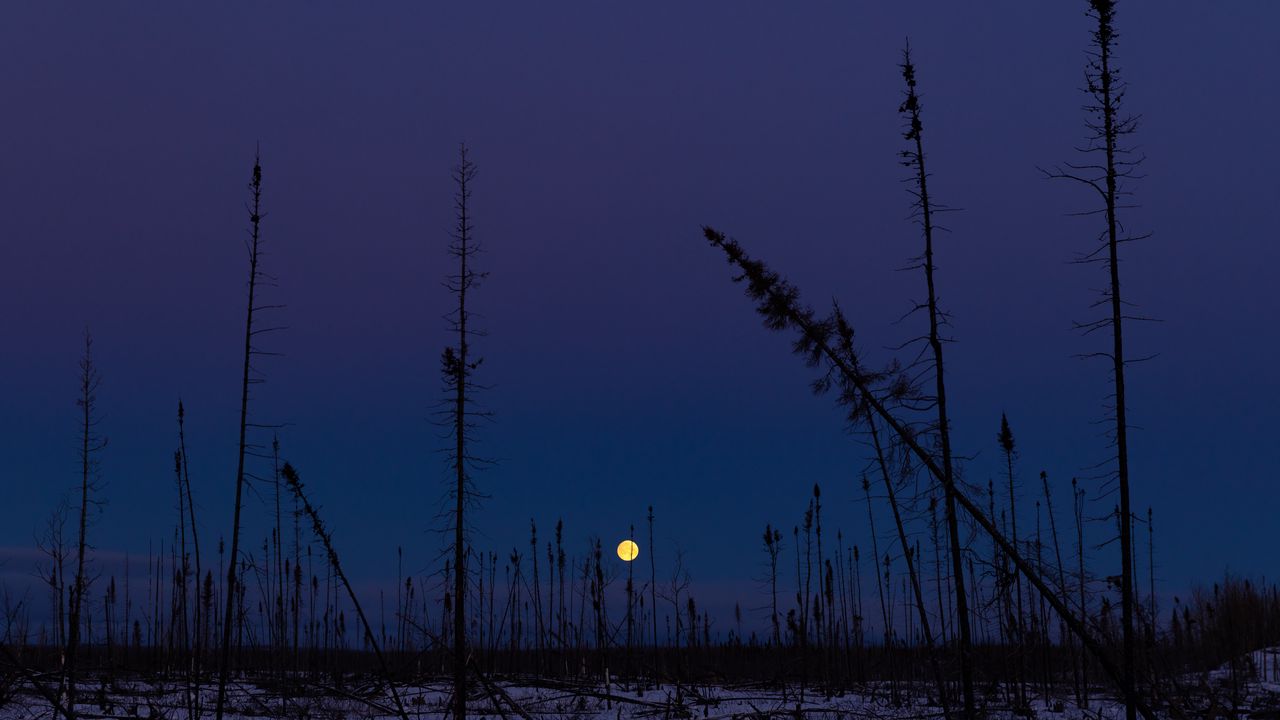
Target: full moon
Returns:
[628, 550]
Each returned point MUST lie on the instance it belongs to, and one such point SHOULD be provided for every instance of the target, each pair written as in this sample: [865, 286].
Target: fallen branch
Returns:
[291, 476]
[496, 691]
[48, 694]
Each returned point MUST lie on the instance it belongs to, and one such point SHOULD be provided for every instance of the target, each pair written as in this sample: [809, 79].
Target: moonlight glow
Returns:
[628, 550]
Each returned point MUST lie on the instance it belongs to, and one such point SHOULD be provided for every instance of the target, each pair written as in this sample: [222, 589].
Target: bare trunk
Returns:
[934, 667]
[89, 444]
[458, 366]
[228, 616]
[912, 108]
[291, 476]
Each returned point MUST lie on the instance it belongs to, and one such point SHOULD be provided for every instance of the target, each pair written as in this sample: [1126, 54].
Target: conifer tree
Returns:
[828, 341]
[458, 364]
[1005, 438]
[773, 547]
[1107, 125]
[914, 158]
[91, 445]
[249, 378]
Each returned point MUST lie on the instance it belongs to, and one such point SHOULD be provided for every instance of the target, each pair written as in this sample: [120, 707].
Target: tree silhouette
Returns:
[1106, 126]
[772, 547]
[184, 488]
[457, 368]
[829, 341]
[912, 573]
[91, 445]
[290, 476]
[249, 377]
[914, 158]
[1006, 441]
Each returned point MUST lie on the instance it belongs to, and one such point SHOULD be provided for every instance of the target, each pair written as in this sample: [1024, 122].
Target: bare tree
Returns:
[1062, 573]
[1007, 444]
[458, 366]
[249, 377]
[91, 445]
[1106, 126]
[773, 547]
[829, 341]
[195, 534]
[52, 542]
[914, 575]
[875, 559]
[326, 539]
[653, 581]
[914, 158]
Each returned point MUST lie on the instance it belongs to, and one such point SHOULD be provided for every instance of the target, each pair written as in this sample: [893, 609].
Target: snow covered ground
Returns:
[512, 700]
[1256, 687]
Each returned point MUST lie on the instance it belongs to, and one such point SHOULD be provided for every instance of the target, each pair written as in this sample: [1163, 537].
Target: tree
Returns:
[653, 582]
[91, 445]
[197, 616]
[914, 158]
[772, 547]
[828, 341]
[934, 667]
[1106, 126]
[1005, 438]
[248, 378]
[290, 476]
[457, 368]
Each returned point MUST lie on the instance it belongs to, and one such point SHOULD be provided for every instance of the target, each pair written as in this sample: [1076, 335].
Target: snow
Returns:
[1257, 681]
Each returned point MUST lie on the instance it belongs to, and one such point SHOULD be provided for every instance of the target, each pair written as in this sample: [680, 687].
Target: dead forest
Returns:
[979, 598]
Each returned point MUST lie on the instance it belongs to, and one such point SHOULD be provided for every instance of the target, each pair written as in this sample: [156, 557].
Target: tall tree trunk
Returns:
[228, 616]
[196, 659]
[458, 366]
[934, 667]
[1109, 125]
[1104, 10]
[276, 602]
[1062, 574]
[653, 582]
[875, 560]
[326, 538]
[90, 444]
[1019, 622]
[916, 159]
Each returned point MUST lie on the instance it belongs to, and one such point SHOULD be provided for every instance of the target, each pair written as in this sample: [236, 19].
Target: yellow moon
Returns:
[628, 550]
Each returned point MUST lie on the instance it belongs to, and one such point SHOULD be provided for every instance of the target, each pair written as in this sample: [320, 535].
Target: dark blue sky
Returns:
[626, 369]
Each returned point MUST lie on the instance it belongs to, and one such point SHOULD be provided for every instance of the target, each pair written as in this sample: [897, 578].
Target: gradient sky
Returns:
[626, 368]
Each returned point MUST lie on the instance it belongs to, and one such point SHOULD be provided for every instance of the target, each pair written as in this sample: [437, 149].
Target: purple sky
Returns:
[626, 369]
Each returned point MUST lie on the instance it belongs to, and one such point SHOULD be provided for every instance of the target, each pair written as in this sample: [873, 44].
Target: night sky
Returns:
[625, 368]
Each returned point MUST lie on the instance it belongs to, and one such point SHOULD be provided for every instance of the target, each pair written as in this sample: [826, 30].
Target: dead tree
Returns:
[1077, 507]
[195, 539]
[1106, 126]
[326, 539]
[249, 377]
[91, 445]
[914, 575]
[653, 584]
[460, 414]
[772, 547]
[1007, 446]
[829, 341]
[1062, 573]
[875, 559]
[914, 158]
[52, 542]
